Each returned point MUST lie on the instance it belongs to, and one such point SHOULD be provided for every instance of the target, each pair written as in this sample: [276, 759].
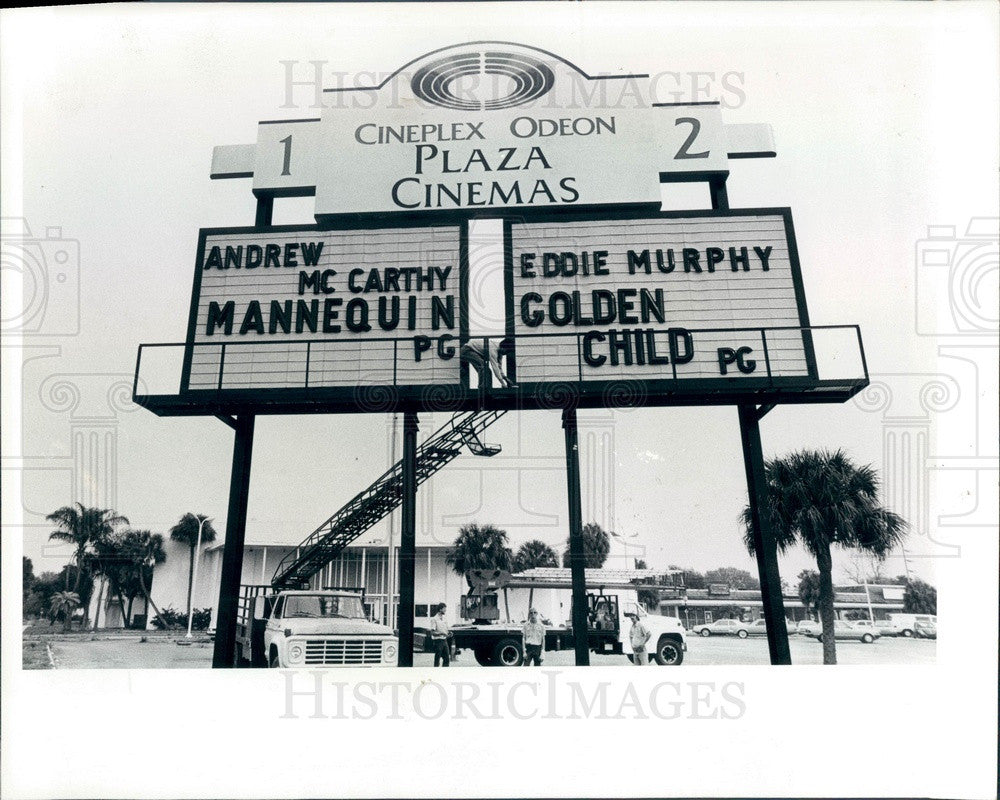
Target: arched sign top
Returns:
[514, 50]
[528, 80]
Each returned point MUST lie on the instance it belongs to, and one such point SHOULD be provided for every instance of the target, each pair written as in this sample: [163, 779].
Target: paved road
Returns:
[133, 654]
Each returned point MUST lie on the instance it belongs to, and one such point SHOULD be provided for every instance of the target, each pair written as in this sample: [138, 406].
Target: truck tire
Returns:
[272, 660]
[484, 656]
[668, 652]
[508, 653]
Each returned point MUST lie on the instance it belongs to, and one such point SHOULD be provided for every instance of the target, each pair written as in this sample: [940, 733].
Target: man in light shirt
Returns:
[484, 359]
[638, 636]
[534, 639]
[439, 638]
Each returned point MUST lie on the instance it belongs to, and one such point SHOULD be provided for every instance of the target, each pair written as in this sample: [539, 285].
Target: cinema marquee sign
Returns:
[601, 287]
[666, 296]
[301, 308]
[490, 125]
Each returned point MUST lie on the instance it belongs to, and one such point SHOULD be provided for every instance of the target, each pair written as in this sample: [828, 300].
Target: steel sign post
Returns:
[232, 553]
[408, 541]
[577, 555]
[763, 537]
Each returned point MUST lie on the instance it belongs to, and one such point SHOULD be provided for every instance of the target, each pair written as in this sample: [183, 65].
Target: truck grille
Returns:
[344, 651]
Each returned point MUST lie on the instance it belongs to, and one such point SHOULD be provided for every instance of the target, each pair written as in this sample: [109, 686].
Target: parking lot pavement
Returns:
[715, 650]
[131, 653]
[806, 650]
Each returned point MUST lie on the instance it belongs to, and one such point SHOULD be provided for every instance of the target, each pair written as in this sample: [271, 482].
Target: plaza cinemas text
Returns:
[631, 306]
[380, 298]
[480, 176]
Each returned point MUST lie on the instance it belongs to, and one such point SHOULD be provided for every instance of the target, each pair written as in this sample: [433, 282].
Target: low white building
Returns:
[365, 563]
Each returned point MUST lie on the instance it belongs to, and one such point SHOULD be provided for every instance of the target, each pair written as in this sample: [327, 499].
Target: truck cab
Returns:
[667, 643]
[314, 628]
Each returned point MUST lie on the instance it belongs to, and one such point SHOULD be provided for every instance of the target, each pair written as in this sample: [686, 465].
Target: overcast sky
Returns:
[884, 120]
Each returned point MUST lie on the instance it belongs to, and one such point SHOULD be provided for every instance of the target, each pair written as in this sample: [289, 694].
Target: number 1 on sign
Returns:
[287, 142]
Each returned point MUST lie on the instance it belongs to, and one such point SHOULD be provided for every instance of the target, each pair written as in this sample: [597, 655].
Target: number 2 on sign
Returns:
[287, 142]
[684, 152]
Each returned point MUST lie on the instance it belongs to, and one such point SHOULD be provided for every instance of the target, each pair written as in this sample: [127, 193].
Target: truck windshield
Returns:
[323, 605]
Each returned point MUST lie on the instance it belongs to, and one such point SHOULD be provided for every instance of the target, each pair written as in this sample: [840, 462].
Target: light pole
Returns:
[194, 575]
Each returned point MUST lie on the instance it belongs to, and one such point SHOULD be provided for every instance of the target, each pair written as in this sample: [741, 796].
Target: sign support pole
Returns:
[265, 210]
[408, 541]
[232, 553]
[763, 537]
[577, 556]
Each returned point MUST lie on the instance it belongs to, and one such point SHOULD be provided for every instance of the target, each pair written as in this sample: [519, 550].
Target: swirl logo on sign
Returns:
[529, 77]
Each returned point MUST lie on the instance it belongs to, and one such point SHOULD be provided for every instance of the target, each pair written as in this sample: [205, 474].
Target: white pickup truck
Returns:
[311, 628]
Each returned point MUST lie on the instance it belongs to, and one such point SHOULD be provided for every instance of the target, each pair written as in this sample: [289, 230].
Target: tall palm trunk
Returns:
[190, 579]
[121, 605]
[149, 600]
[100, 596]
[825, 563]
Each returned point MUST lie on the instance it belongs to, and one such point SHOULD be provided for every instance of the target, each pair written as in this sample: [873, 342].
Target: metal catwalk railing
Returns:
[383, 496]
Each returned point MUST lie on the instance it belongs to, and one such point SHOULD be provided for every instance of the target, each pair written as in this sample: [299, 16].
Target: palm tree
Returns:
[809, 589]
[186, 531]
[596, 546]
[83, 527]
[65, 602]
[113, 565]
[480, 547]
[534, 553]
[531, 554]
[823, 499]
[147, 551]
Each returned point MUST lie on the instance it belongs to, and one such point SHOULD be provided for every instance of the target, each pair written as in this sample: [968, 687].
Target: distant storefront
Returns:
[718, 601]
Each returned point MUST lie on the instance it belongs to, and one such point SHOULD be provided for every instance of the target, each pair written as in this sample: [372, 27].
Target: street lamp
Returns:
[194, 575]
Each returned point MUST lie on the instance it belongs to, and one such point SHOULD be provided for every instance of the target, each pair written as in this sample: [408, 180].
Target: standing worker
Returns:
[439, 638]
[483, 359]
[534, 639]
[638, 635]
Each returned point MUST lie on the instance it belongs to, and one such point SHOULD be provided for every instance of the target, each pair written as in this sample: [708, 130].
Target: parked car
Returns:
[887, 627]
[924, 630]
[906, 624]
[808, 627]
[721, 627]
[756, 628]
[845, 630]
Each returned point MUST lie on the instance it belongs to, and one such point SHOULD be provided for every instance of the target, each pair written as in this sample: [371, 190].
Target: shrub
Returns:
[200, 618]
[170, 617]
